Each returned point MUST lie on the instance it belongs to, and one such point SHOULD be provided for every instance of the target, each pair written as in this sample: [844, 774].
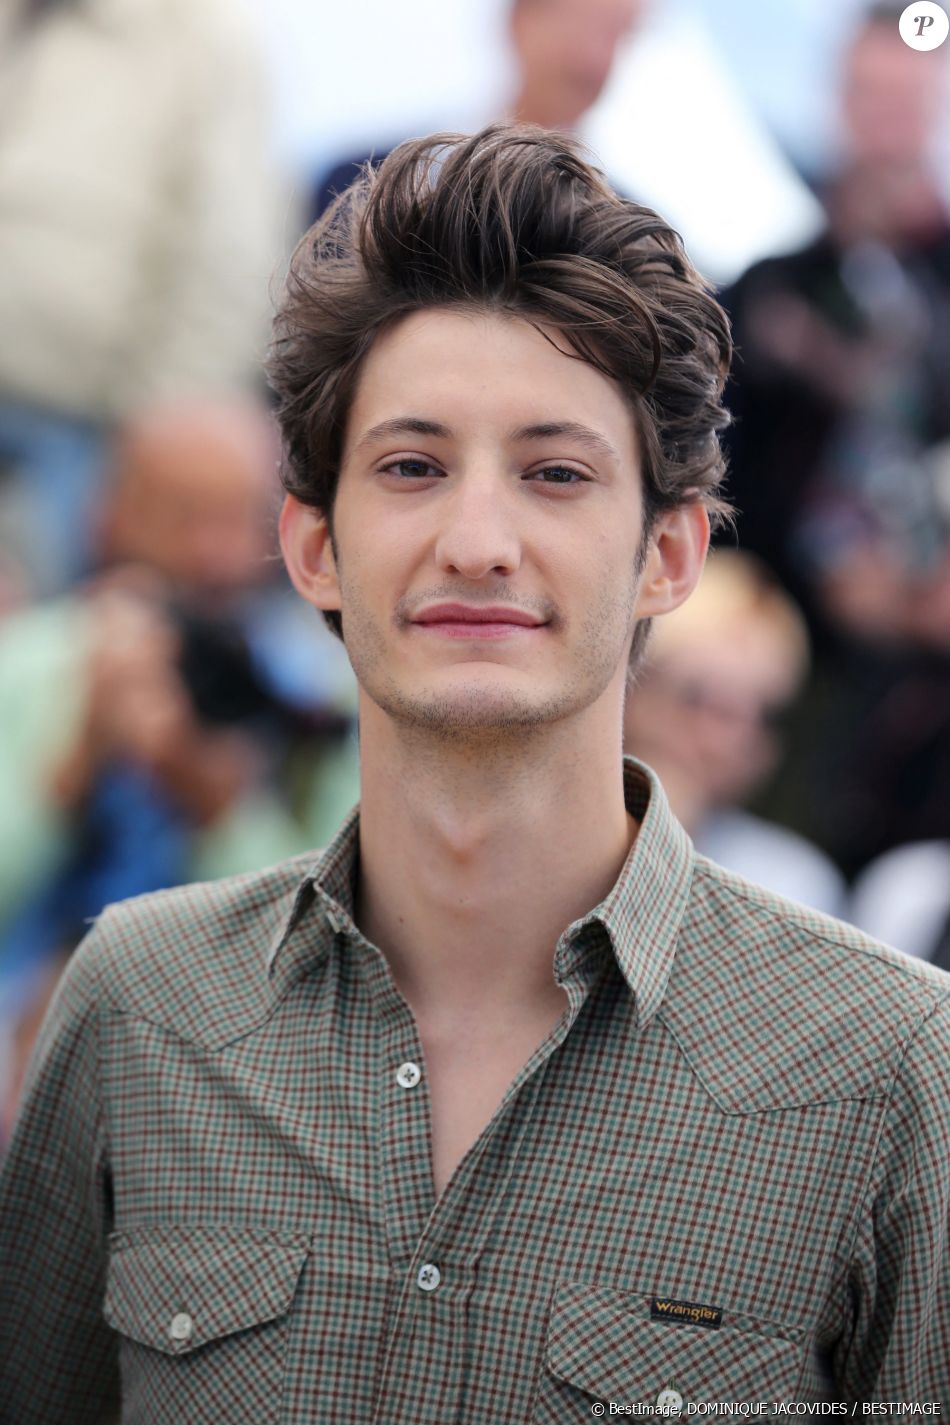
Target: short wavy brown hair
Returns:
[513, 220]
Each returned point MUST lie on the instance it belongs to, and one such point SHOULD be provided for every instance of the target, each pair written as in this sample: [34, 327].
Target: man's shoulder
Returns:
[193, 959]
[778, 1006]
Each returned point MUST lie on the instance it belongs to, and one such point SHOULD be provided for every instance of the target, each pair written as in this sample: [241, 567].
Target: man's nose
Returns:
[478, 535]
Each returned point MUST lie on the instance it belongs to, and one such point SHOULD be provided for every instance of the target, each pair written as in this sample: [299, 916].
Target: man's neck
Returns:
[474, 859]
[896, 207]
[532, 106]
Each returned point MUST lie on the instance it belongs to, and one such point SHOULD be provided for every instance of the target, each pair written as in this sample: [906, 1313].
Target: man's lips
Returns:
[476, 620]
[476, 613]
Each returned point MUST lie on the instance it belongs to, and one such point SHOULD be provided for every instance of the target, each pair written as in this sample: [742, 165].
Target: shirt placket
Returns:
[423, 1375]
[402, 1132]
[425, 1329]
[434, 1245]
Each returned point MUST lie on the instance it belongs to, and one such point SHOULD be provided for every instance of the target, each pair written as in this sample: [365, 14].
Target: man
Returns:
[841, 395]
[507, 1105]
[139, 205]
[147, 741]
[904, 896]
[844, 367]
[562, 53]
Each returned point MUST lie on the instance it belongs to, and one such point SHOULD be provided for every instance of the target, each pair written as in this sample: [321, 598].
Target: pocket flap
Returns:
[601, 1342]
[175, 1288]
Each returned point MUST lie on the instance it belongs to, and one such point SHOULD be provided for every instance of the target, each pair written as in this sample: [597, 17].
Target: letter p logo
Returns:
[924, 26]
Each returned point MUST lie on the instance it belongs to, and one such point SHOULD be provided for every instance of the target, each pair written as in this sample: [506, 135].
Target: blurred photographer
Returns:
[841, 399]
[147, 741]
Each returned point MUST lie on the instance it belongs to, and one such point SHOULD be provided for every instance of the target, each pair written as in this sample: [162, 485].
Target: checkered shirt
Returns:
[724, 1174]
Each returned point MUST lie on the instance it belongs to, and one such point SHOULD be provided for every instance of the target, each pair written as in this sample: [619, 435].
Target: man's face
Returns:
[566, 50]
[486, 526]
[193, 501]
[891, 98]
[705, 709]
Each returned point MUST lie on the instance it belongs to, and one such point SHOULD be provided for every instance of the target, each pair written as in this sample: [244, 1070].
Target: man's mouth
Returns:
[476, 620]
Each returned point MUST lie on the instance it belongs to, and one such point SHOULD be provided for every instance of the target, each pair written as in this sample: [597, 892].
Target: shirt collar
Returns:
[643, 911]
[641, 914]
[322, 906]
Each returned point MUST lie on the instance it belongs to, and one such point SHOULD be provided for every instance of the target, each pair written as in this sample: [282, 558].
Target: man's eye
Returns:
[557, 475]
[411, 469]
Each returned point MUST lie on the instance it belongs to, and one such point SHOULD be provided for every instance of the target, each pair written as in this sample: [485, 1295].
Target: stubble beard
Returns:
[491, 715]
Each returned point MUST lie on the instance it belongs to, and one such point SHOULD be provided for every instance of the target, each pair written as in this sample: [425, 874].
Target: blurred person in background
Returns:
[903, 898]
[563, 51]
[719, 674]
[148, 735]
[841, 398]
[137, 233]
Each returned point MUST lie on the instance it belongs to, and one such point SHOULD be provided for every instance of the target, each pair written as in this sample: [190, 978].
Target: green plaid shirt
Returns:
[726, 1172]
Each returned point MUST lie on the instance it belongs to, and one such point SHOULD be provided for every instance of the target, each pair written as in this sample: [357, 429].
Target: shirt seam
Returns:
[152, 1231]
[215, 1048]
[730, 1111]
[543, 1369]
[588, 954]
[849, 1251]
[813, 931]
[102, 1143]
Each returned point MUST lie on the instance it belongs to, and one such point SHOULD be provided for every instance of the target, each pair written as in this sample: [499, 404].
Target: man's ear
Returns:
[676, 554]
[308, 554]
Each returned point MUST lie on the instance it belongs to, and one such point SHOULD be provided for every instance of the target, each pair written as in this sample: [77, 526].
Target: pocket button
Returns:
[181, 1327]
[670, 1401]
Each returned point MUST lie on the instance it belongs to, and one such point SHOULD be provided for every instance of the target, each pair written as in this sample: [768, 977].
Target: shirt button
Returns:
[408, 1075]
[670, 1401]
[429, 1277]
[181, 1327]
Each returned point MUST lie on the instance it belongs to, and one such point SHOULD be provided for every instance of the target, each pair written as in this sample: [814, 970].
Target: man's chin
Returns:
[472, 711]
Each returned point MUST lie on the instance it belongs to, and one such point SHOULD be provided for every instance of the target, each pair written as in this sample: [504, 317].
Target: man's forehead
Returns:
[445, 372]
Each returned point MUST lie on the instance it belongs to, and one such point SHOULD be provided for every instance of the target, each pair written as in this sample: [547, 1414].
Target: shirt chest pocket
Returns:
[203, 1313]
[602, 1346]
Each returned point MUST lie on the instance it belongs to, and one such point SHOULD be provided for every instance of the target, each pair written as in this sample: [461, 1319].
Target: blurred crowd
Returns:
[170, 711]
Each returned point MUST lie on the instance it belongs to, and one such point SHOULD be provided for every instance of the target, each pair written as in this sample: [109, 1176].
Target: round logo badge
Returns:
[924, 25]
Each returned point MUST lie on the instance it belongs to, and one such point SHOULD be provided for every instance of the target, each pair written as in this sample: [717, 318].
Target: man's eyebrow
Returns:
[542, 430]
[403, 425]
[545, 430]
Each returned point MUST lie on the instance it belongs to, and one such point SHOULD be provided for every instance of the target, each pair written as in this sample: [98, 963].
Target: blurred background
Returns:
[170, 711]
